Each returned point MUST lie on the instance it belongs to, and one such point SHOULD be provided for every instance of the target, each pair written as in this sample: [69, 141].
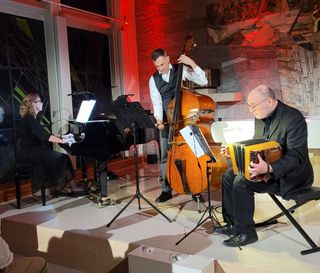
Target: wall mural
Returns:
[287, 29]
[257, 22]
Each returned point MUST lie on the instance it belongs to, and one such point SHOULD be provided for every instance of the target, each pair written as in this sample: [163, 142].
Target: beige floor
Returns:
[72, 232]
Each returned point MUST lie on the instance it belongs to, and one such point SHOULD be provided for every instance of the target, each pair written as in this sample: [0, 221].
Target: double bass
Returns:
[186, 173]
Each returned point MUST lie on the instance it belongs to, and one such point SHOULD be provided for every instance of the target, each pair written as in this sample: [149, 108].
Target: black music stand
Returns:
[132, 115]
[198, 144]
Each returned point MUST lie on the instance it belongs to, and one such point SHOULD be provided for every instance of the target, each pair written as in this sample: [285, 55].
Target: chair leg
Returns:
[311, 250]
[18, 191]
[43, 194]
[274, 220]
[314, 247]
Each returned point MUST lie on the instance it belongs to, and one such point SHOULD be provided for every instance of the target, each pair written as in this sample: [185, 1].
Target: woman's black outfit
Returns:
[49, 167]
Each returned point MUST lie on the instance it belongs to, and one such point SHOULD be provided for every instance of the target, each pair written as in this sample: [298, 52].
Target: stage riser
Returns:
[118, 166]
[69, 249]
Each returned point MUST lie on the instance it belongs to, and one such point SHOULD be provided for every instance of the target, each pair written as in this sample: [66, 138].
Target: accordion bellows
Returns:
[242, 153]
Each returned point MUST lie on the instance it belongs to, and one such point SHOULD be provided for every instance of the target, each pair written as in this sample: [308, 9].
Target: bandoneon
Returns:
[242, 153]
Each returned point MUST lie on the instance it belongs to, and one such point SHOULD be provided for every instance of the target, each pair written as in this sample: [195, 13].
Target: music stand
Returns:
[198, 144]
[132, 115]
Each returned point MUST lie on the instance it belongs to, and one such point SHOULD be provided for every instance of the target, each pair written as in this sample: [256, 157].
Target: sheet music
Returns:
[85, 110]
[190, 138]
[196, 141]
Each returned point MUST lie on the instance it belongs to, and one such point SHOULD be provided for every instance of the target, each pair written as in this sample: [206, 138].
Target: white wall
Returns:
[237, 130]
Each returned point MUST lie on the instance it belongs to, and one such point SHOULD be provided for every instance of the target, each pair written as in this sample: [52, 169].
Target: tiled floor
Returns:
[278, 248]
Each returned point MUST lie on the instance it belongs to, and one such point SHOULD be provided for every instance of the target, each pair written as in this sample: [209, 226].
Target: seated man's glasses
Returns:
[255, 105]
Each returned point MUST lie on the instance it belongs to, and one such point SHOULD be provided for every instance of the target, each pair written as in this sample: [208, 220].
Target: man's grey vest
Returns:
[167, 89]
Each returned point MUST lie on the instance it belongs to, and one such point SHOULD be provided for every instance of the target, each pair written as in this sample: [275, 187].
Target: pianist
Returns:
[49, 167]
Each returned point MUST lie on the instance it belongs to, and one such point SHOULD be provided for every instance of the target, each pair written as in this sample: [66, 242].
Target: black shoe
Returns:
[226, 229]
[62, 193]
[111, 175]
[47, 192]
[196, 197]
[242, 239]
[164, 196]
[94, 189]
[79, 193]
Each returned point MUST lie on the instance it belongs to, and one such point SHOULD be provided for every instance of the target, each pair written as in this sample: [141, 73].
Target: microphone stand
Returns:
[208, 209]
[196, 132]
[88, 94]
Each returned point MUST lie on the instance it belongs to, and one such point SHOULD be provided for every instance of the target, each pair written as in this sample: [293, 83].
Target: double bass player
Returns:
[162, 86]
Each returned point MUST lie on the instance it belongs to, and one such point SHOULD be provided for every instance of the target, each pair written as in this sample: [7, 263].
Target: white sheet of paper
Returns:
[192, 141]
[85, 110]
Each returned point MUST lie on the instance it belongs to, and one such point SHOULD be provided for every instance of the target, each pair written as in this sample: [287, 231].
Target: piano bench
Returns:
[24, 171]
[301, 197]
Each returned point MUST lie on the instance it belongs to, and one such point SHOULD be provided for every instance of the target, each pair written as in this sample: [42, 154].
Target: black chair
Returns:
[300, 197]
[24, 171]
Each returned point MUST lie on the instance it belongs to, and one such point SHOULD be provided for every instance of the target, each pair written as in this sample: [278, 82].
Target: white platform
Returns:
[72, 232]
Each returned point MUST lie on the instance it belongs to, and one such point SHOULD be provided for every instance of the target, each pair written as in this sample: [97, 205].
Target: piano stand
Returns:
[138, 194]
[101, 201]
[100, 177]
[108, 135]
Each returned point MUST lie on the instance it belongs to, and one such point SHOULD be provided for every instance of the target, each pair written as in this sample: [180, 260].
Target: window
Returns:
[23, 69]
